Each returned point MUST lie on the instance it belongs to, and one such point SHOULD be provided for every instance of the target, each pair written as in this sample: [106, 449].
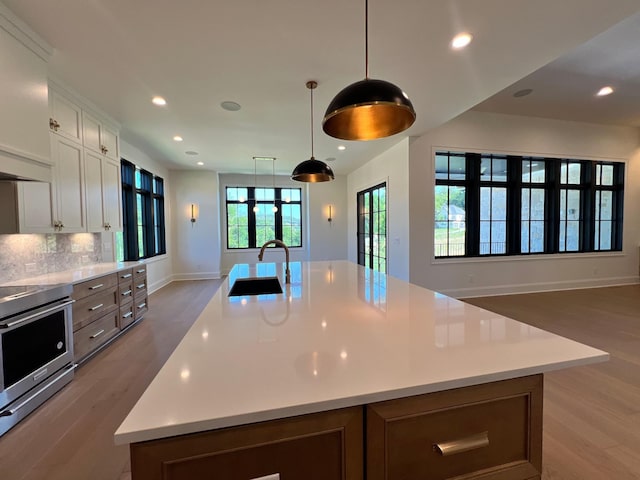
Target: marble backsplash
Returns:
[23, 256]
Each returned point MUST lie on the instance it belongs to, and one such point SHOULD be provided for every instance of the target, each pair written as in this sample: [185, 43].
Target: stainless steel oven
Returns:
[36, 348]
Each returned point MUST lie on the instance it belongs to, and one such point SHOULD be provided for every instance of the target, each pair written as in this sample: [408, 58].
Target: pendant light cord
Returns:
[311, 122]
[366, 39]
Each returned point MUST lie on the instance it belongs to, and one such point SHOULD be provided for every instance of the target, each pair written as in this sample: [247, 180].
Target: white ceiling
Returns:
[198, 53]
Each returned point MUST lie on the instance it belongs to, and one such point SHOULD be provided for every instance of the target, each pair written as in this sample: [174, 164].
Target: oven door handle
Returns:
[36, 315]
[13, 410]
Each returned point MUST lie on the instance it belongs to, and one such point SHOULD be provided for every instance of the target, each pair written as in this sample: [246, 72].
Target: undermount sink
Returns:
[255, 286]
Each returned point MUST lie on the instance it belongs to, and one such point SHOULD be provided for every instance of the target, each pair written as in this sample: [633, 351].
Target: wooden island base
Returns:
[491, 431]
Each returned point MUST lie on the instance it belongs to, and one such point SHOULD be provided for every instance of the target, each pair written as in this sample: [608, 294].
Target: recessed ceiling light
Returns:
[230, 106]
[178, 138]
[523, 93]
[191, 152]
[341, 147]
[604, 91]
[159, 101]
[461, 40]
[200, 163]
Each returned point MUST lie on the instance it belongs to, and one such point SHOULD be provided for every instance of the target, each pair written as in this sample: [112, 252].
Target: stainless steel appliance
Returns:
[36, 348]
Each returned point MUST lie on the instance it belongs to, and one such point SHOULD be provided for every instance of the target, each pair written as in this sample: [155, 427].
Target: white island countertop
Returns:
[340, 335]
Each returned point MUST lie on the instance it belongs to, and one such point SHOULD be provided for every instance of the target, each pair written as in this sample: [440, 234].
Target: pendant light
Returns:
[312, 170]
[368, 109]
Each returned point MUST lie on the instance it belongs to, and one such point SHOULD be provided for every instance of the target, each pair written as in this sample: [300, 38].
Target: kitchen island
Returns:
[347, 374]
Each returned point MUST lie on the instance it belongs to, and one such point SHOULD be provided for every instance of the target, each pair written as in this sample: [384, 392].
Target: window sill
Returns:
[534, 257]
[257, 250]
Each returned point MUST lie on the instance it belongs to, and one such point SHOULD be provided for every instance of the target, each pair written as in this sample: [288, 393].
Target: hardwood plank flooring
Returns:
[591, 413]
[71, 436]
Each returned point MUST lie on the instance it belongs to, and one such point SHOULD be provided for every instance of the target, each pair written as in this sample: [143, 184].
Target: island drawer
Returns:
[88, 338]
[490, 431]
[93, 307]
[91, 287]
[140, 306]
[323, 446]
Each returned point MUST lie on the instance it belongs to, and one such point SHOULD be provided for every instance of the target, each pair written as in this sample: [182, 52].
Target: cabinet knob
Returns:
[103, 149]
[53, 125]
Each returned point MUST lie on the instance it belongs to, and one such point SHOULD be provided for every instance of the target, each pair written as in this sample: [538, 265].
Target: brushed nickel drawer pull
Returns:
[127, 293]
[126, 275]
[142, 305]
[96, 286]
[127, 315]
[462, 445]
[96, 307]
[273, 476]
[141, 286]
[142, 270]
[97, 334]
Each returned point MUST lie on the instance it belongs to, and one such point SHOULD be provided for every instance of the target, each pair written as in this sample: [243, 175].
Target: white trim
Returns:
[514, 289]
[181, 277]
[531, 257]
[155, 286]
[15, 27]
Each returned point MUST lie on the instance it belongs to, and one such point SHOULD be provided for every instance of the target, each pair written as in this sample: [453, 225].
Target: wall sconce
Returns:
[330, 218]
[194, 213]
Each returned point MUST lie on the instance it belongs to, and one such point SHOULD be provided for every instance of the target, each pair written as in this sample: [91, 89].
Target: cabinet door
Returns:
[66, 116]
[68, 184]
[91, 132]
[35, 207]
[111, 194]
[321, 446]
[94, 193]
[109, 140]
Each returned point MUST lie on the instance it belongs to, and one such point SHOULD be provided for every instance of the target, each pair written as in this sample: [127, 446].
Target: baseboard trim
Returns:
[494, 290]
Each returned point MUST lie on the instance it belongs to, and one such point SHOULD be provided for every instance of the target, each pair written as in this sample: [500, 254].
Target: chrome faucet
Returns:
[280, 243]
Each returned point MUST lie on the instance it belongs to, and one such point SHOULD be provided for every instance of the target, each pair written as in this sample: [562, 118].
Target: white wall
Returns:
[196, 246]
[391, 167]
[321, 240]
[159, 269]
[484, 132]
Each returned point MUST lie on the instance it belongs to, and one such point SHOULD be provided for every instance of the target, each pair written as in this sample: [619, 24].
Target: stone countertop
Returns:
[75, 275]
[340, 335]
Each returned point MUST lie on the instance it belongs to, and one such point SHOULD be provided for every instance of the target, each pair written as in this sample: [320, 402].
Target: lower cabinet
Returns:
[103, 307]
[490, 432]
[322, 446]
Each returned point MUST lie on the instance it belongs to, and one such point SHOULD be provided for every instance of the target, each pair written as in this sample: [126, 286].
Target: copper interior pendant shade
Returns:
[312, 170]
[368, 109]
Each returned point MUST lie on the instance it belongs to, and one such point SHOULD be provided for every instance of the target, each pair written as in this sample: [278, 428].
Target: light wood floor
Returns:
[591, 418]
[71, 436]
[591, 413]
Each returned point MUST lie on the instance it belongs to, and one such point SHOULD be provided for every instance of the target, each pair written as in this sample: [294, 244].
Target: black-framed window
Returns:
[492, 205]
[143, 234]
[372, 227]
[256, 215]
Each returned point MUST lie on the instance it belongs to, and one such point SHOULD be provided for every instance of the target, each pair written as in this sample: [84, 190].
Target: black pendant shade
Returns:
[312, 171]
[367, 110]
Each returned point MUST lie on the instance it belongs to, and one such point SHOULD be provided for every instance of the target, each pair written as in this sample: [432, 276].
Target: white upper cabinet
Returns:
[69, 186]
[24, 137]
[102, 181]
[99, 137]
[65, 117]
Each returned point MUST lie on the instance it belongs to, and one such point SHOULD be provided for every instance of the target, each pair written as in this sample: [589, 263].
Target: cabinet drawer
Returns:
[126, 315]
[140, 306]
[125, 275]
[90, 337]
[91, 287]
[323, 446]
[91, 308]
[491, 431]
[139, 271]
[139, 284]
[125, 291]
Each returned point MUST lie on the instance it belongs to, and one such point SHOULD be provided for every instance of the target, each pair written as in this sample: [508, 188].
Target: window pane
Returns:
[499, 170]
[450, 218]
[237, 221]
[457, 168]
[442, 166]
[607, 174]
